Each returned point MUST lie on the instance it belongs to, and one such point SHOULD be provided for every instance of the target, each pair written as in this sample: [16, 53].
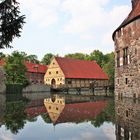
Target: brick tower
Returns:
[127, 54]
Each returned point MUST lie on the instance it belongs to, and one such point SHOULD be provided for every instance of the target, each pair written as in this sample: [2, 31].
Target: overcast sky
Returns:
[69, 26]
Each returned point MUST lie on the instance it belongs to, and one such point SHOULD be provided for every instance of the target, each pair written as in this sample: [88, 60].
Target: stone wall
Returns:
[127, 119]
[127, 77]
[36, 88]
[2, 108]
[2, 80]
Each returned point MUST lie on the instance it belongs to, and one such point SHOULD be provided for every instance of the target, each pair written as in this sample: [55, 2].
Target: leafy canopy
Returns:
[11, 22]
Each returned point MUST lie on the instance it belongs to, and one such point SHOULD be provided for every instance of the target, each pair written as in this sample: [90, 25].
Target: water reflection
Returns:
[127, 119]
[73, 116]
[96, 111]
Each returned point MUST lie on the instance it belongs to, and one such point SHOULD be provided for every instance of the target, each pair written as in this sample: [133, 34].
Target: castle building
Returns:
[127, 54]
[72, 73]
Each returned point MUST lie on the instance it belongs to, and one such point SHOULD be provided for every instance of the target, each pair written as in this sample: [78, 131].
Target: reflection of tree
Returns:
[32, 119]
[107, 115]
[46, 118]
[15, 117]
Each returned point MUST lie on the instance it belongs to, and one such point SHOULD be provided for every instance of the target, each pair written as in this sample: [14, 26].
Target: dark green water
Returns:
[25, 117]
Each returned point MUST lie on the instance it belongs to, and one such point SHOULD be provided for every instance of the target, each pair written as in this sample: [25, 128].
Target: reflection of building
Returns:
[54, 106]
[127, 119]
[74, 73]
[60, 112]
[127, 54]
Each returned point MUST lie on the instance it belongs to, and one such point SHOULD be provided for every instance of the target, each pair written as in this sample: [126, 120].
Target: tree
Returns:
[2, 55]
[15, 69]
[47, 58]
[11, 22]
[80, 56]
[97, 56]
[32, 58]
[109, 67]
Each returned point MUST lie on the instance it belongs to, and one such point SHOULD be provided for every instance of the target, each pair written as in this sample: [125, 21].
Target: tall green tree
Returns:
[80, 56]
[11, 22]
[98, 56]
[15, 69]
[47, 58]
[109, 67]
[2, 55]
[32, 58]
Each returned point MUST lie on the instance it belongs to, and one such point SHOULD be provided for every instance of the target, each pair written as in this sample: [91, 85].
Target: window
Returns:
[135, 51]
[56, 72]
[125, 56]
[49, 73]
[69, 82]
[129, 32]
[118, 58]
[126, 81]
[118, 81]
[127, 113]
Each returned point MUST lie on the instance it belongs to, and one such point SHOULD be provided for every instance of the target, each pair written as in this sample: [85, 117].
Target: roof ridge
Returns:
[76, 59]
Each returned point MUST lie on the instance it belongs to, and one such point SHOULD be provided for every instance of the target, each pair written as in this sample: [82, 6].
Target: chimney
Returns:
[134, 3]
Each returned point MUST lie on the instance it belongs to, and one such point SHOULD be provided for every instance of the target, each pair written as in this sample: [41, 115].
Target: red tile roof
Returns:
[82, 69]
[35, 111]
[76, 112]
[32, 67]
[81, 111]
[133, 15]
[2, 62]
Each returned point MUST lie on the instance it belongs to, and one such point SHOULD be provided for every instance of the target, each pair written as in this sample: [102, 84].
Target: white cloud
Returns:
[90, 20]
[6, 136]
[87, 37]
[109, 131]
[45, 12]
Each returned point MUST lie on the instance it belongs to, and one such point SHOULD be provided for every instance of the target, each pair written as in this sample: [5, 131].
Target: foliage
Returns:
[47, 58]
[11, 22]
[2, 55]
[32, 58]
[15, 117]
[80, 56]
[109, 67]
[15, 69]
[46, 118]
[97, 56]
[107, 115]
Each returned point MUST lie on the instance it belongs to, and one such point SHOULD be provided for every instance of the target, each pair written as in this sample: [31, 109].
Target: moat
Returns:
[68, 117]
